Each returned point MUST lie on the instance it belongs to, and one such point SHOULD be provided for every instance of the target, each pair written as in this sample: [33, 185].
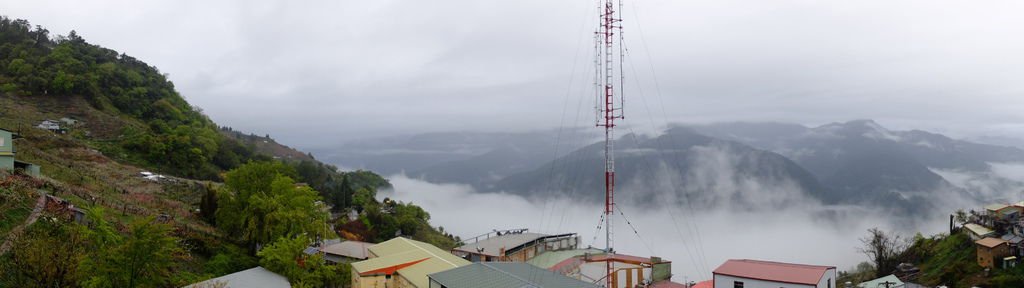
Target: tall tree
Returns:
[883, 249]
[285, 257]
[142, 258]
[46, 255]
[261, 204]
[208, 205]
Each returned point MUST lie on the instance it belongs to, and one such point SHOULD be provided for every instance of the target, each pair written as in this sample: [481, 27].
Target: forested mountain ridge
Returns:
[124, 117]
[159, 127]
[688, 166]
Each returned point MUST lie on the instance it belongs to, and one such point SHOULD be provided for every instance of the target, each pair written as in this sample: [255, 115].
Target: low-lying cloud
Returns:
[1004, 182]
[696, 240]
[714, 210]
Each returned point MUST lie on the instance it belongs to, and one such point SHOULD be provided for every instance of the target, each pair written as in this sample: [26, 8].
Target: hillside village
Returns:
[519, 257]
[501, 258]
[131, 186]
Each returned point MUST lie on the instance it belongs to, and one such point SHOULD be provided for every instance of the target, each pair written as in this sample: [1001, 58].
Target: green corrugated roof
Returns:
[505, 275]
[550, 258]
[878, 282]
[399, 251]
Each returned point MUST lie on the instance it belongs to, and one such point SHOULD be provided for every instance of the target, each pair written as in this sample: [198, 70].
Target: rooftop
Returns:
[978, 229]
[773, 271]
[990, 242]
[880, 282]
[549, 259]
[623, 258]
[995, 207]
[1013, 239]
[670, 284]
[350, 249]
[410, 258]
[493, 246]
[253, 278]
[505, 274]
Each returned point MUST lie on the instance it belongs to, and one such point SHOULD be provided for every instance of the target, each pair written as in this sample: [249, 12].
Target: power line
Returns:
[649, 250]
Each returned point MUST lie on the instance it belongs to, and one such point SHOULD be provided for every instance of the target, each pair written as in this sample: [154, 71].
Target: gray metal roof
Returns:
[492, 246]
[351, 249]
[1013, 239]
[253, 278]
[505, 275]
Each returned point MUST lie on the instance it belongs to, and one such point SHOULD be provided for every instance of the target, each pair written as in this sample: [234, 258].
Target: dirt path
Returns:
[14, 233]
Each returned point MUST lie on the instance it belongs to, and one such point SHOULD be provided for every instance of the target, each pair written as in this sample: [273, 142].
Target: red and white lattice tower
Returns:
[609, 55]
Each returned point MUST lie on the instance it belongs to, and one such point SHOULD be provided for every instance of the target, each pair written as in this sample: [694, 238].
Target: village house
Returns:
[745, 273]
[1016, 243]
[52, 126]
[8, 160]
[1002, 214]
[992, 251]
[589, 265]
[501, 275]
[978, 232]
[513, 245]
[400, 263]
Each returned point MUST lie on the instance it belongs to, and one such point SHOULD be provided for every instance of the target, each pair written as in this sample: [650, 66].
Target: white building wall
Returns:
[725, 281]
[830, 275]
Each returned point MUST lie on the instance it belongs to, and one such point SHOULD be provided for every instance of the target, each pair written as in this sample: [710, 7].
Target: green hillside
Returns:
[223, 196]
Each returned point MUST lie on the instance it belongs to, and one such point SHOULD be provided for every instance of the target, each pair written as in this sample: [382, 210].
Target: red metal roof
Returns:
[773, 271]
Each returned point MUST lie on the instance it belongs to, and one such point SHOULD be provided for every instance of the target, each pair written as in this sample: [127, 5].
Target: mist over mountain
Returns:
[695, 168]
[477, 158]
[741, 164]
[864, 163]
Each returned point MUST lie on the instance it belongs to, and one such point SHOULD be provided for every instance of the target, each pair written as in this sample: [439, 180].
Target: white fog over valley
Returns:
[778, 130]
[696, 240]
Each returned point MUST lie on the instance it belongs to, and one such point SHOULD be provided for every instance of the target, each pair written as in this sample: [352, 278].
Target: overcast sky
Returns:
[319, 72]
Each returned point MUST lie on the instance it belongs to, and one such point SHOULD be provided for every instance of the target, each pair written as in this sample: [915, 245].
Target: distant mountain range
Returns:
[861, 162]
[474, 158]
[765, 165]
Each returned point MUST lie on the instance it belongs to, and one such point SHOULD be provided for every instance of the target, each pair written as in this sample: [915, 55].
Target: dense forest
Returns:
[233, 203]
[170, 134]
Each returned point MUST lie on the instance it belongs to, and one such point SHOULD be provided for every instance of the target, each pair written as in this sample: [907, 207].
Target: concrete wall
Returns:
[6, 162]
[368, 281]
[991, 258]
[725, 281]
[829, 281]
[6, 150]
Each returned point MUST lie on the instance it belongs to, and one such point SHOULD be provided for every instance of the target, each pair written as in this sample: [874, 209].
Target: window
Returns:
[737, 284]
[829, 283]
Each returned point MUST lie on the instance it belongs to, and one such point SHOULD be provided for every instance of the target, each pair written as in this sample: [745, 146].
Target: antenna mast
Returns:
[608, 108]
